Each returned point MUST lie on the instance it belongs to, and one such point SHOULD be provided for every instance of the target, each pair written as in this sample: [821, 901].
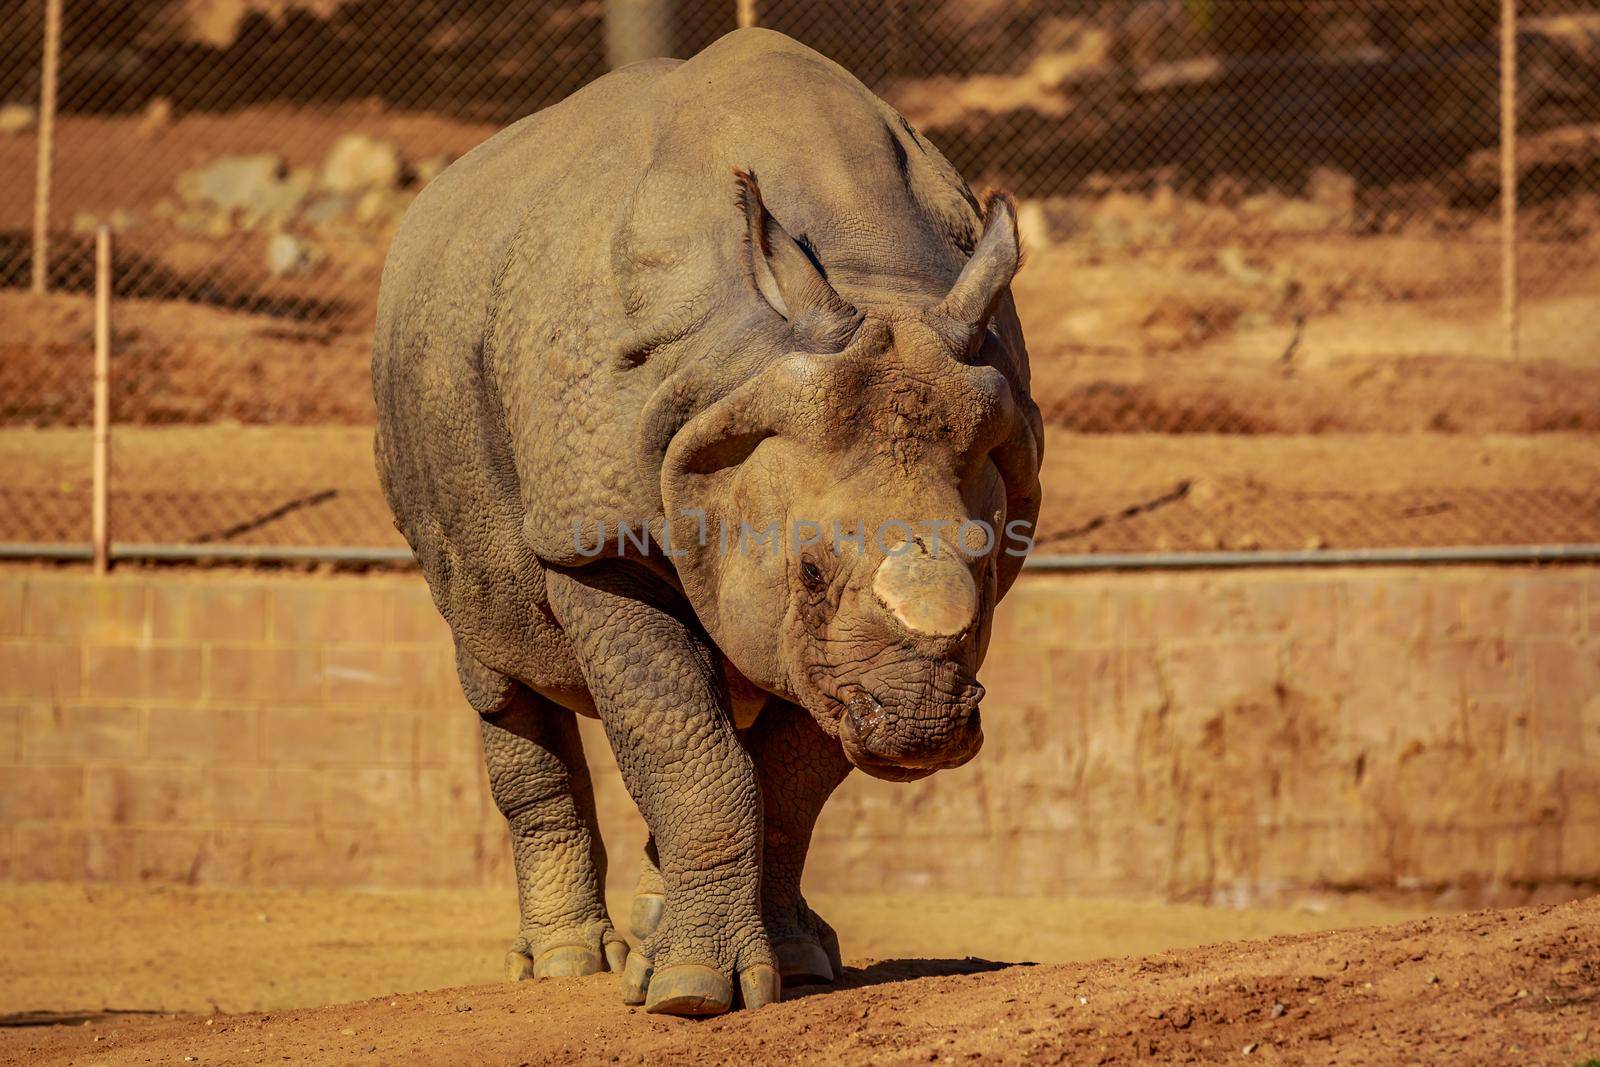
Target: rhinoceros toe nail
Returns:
[759, 986]
[689, 989]
[635, 978]
[519, 966]
[567, 961]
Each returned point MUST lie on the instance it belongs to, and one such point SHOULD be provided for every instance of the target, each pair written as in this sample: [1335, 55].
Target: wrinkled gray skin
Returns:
[591, 319]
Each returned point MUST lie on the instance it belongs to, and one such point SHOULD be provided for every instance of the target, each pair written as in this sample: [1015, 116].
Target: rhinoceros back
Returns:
[445, 455]
[545, 293]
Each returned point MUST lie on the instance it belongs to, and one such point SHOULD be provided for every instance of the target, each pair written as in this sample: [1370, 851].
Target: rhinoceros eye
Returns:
[811, 574]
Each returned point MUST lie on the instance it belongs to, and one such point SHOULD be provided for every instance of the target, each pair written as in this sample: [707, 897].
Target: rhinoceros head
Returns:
[857, 495]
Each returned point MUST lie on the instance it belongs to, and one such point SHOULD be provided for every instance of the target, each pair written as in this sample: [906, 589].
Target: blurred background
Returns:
[1309, 283]
[1264, 237]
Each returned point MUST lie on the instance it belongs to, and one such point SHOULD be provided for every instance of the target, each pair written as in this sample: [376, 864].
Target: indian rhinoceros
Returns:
[633, 354]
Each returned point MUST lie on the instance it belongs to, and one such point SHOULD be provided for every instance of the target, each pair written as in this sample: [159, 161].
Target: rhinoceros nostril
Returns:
[866, 713]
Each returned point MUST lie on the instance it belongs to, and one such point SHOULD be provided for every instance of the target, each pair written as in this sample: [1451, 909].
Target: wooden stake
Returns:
[1510, 310]
[47, 145]
[747, 14]
[100, 511]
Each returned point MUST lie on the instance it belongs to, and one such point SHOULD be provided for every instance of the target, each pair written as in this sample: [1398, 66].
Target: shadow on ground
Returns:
[68, 1018]
[882, 972]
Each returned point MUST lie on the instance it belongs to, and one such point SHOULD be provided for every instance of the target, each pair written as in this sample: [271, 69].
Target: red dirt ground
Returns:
[1515, 986]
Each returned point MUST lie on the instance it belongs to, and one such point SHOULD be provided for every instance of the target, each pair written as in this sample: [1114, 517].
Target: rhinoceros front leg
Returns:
[799, 767]
[660, 694]
[541, 785]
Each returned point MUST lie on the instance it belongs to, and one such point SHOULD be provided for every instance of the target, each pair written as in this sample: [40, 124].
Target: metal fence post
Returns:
[100, 518]
[1509, 302]
[636, 30]
[47, 144]
[747, 14]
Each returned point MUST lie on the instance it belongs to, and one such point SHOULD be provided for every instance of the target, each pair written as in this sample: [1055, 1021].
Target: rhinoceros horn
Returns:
[994, 262]
[789, 281]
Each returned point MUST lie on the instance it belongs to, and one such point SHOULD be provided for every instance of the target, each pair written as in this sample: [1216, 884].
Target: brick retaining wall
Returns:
[1222, 736]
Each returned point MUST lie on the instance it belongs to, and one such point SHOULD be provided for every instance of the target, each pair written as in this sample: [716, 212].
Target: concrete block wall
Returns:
[235, 730]
[1221, 736]
[1236, 737]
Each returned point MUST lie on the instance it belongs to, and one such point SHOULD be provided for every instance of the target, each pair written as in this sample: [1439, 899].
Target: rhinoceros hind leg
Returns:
[541, 785]
[799, 767]
[649, 895]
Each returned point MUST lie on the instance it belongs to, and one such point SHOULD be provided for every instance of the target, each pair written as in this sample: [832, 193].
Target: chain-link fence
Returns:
[1276, 295]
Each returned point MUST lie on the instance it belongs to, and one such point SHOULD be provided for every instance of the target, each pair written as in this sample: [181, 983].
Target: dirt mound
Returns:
[265, 485]
[1520, 985]
[1403, 395]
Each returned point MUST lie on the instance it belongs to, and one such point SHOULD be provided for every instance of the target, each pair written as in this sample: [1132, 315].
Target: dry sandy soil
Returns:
[1515, 986]
[194, 950]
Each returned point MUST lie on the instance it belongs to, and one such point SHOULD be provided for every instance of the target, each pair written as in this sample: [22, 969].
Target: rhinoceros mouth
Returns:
[888, 772]
[866, 722]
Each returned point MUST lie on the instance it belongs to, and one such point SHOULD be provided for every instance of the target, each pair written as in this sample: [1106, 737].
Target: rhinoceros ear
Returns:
[789, 281]
[994, 262]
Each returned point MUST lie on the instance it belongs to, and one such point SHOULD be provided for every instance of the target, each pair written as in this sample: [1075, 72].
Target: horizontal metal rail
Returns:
[259, 553]
[133, 550]
[44, 550]
[1321, 557]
